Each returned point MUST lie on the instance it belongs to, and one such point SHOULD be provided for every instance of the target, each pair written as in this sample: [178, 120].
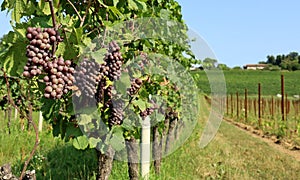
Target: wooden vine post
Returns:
[231, 102]
[237, 104]
[282, 97]
[227, 105]
[246, 105]
[259, 104]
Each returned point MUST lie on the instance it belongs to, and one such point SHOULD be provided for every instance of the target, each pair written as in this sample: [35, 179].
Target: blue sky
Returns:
[238, 31]
[245, 31]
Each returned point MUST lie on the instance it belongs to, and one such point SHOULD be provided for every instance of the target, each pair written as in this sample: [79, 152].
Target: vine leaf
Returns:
[18, 10]
[72, 131]
[123, 83]
[116, 12]
[159, 117]
[13, 55]
[81, 142]
[141, 104]
[117, 141]
[93, 142]
[99, 55]
[137, 5]
[84, 119]
[45, 8]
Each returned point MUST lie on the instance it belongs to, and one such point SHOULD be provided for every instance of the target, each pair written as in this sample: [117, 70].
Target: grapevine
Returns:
[55, 69]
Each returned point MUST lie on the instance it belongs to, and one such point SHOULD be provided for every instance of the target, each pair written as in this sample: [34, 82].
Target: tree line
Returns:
[289, 62]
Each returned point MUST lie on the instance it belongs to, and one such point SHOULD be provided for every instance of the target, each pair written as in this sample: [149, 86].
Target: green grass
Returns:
[238, 80]
[233, 154]
[54, 158]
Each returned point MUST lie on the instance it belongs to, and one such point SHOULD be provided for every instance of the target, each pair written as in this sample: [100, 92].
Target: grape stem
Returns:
[86, 12]
[134, 95]
[78, 14]
[30, 121]
[54, 24]
[105, 32]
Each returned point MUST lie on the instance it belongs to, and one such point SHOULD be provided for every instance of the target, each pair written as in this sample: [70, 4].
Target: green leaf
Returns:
[84, 119]
[141, 104]
[159, 117]
[128, 124]
[78, 33]
[116, 12]
[18, 9]
[99, 55]
[72, 131]
[12, 56]
[115, 2]
[117, 141]
[45, 8]
[93, 142]
[61, 49]
[81, 142]
[123, 83]
[137, 5]
[132, 5]
[49, 107]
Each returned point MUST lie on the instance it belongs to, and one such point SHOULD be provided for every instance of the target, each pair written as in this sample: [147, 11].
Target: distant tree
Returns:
[262, 62]
[289, 62]
[293, 55]
[278, 60]
[223, 67]
[271, 59]
[295, 65]
[209, 63]
[236, 68]
[283, 65]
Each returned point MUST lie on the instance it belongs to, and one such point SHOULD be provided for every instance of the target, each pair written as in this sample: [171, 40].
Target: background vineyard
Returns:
[238, 80]
[244, 107]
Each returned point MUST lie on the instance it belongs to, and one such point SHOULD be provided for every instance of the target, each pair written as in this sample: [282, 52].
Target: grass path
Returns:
[279, 147]
[233, 154]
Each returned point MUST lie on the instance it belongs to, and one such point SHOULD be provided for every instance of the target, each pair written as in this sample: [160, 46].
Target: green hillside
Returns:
[238, 80]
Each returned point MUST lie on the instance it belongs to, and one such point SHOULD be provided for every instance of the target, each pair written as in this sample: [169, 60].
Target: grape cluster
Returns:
[59, 73]
[92, 81]
[38, 51]
[111, 69]
[149, 111]
[113, 61]
[146, 112]
[135, 86]
[59, 79]
[87, 76]
[91, 77]
[116, 116]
